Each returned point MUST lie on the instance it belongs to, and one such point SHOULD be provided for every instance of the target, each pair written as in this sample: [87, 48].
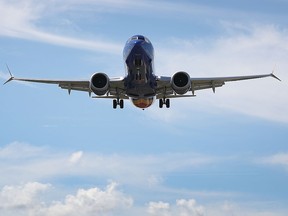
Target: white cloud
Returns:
[23, 20]
[250, 208]
[280, 159]
[17, 16]
[26, 200]
[23, 162]
[159, 208]
[31, 199]
[26, 22]
[141, 171]
[182, 207]
[149, 168]
[189, 207]
[93, 201]
[75, 157]
[154, 180]
[19, 150]
[23, 196]
[19, 19]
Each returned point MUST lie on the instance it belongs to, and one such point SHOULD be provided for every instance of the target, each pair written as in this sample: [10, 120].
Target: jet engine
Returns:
[99, 83]
[181, 82]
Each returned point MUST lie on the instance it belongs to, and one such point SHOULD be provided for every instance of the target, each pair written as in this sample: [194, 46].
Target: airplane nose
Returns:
[138, 42]
[138, 45]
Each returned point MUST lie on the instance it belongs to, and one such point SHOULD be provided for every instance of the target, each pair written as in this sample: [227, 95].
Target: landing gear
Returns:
[164, 101]
[117, 102]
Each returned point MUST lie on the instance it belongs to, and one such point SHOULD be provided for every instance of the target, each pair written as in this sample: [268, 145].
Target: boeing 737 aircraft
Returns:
[140, 83]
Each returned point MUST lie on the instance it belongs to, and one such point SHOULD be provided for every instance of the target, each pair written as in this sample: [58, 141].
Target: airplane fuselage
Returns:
[140, 80]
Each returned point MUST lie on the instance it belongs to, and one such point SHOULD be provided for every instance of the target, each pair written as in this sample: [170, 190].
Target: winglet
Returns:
[272, 75]
[11, 76]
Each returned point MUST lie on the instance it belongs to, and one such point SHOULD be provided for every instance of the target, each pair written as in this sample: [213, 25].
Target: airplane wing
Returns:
[116, 85]
[64, 84]
[165, 90]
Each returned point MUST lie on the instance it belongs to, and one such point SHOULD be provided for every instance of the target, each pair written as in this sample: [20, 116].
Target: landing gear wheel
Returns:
[167, 103]
[114, 104]
[161, 103]
[121, 104]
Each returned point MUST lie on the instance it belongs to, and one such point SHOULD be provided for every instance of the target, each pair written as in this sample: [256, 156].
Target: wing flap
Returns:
[112, 97]
[160, 96]
[75, 86]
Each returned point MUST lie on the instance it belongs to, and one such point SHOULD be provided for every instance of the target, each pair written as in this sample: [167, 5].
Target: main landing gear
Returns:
[164, 101]
[117, 102]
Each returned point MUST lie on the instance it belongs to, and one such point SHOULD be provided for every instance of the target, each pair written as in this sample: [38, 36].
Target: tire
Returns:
[121, 103]
[160, 103]
[167, 103]
[114, 104]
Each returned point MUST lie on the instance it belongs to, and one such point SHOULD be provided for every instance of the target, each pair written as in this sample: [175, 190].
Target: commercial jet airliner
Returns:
[140, 84]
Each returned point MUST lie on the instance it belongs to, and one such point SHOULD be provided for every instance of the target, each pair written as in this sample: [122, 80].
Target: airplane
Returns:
[140, 84]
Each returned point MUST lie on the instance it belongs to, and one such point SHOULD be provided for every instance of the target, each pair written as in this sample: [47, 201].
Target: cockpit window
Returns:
[139, 37]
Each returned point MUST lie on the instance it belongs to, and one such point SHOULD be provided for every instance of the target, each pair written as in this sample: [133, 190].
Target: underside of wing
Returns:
[64, 84]
[115, 86]
[214, 82]
[117, 89]
[181, 83]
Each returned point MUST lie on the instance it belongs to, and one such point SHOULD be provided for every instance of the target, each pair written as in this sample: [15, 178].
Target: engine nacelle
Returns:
[181, 82]
[99, 83]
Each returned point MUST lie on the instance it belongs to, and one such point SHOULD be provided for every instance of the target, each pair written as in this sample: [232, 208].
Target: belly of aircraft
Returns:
[137, 91]
[142, 96]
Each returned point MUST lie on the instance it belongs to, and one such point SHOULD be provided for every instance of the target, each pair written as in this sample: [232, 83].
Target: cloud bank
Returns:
[32, 162]
[277, 160]
[26, 167]
[28, 199]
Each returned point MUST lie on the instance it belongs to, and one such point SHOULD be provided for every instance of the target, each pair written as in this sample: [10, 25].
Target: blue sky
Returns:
[215, 154]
